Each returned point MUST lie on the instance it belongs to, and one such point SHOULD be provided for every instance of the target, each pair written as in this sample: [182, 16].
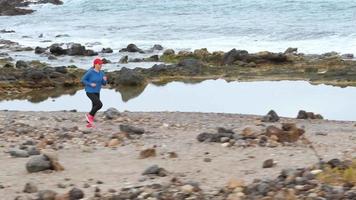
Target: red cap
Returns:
[98, 61]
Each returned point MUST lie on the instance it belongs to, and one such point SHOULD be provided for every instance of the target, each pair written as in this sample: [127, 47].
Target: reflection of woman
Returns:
[93, 79]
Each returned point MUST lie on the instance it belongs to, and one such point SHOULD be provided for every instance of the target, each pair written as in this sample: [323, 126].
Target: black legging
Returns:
[95, 99]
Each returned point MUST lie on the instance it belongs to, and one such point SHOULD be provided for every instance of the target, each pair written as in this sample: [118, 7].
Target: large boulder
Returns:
[107, 50]
[132, 48]
[235, 55]
[192, 65]
[40, 50]
[129, 77]
[271, 116]
[76, 50]
[288, 133]
[56, 49]
[9, 8]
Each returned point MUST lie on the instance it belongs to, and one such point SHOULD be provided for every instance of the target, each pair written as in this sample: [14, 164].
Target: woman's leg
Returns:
[97, 105]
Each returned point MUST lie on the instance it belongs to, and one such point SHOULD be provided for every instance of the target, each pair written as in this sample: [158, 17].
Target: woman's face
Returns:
[98, 66]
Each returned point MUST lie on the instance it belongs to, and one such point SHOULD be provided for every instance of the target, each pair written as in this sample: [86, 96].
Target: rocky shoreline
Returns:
[168, 155]
[27, 77]
[18, 7]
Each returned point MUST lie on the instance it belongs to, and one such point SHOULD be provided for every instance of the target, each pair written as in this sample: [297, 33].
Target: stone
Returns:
[249, 133]
[131, 129]
[20, 64]
[157, 47]
[113, 142]
[107, 50]
[129, 77]
[289, 132]
[155, 170]
[308, 115]
[30, 188]
[271, 116]
[38, 163]
[76, 49]
[208, 137]
[168, 52]
[75, 194]
[188, 189]
[151, 152]
[53, 158]
[316, 172]
[268, 163]
[132, 48]
[291, 50]
[235, 55]
[18, 153]
[234, 183]
[124, 59]
[40, 50]
[46, 195]
[56, 49]
[111, 113]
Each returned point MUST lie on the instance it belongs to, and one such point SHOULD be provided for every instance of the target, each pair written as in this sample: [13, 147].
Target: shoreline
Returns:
[86, 158]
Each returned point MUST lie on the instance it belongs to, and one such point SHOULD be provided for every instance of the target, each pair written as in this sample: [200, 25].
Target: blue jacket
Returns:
[92, 76]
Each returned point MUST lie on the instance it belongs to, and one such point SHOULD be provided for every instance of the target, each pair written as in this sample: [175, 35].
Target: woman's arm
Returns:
[85, 78]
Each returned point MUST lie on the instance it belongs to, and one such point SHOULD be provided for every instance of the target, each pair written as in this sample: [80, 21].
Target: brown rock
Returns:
[62, 197]
[53, 158]
[288, 133]
[268, 163]
[113, 142]
[173, 155]
[234, 183]
[151, 152]
[249, 133]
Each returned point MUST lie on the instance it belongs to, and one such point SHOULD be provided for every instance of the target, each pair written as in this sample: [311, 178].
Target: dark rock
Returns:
[111, 113]
[168, 52]
[38, 163]
[234, 55]
[8, 65]
[10, 8]
[129, 77]
[76, 50]
[51, 57]
[131, 129]
[107, 50]
[62, 69]
[22, 64]
[208, 137]
[336, 163]
[32, 150]
[56, 49]
[18, 153]
[124, 59]
[105, 61]
[90, 53]
[6, 31]
[288, 133]
[34, 75]
[270, 117]
[40, 50]
[75, 194]
[30, 188]
[157, 47]
[308, 115]
[224, 130]
[46, 195]
[155, 170]
[154, 58]
[132, 48]
[62, 35]
[192, 65]
[347, 56]
[268, 163]
[291, 50]
[273, 57]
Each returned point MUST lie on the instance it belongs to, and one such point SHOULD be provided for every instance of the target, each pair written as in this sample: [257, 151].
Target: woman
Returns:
[93, 79]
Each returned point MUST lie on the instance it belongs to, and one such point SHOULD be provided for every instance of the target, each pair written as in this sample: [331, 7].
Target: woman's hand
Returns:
[93, 84]
[105, 78]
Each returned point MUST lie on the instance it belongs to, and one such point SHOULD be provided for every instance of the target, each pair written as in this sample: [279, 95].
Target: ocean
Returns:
[313, 26]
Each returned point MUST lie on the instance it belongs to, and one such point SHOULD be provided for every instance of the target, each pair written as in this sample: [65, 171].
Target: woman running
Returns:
[93, 79]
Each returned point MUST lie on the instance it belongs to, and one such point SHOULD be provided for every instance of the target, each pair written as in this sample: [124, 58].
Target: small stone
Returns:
[18, 153]
[188, 189]
[30, 188]
[226, 144]
[38, 163]
[268, 163]
[173, 155]
[224, 139]
[131, 129]
[315, 172]
[75, 194]
[46, 195]
[234, 183]
[113, 142]
[207, 159]
[151, 152]
[61, 185]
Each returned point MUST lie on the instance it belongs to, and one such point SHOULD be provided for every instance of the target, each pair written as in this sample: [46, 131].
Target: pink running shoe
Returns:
[90, 119]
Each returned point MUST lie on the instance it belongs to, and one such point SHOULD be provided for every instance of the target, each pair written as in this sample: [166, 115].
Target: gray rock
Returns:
[30, 188]
[131, 129]
[46, 195]
[157, 47]
[268, 163]
[129, 77]
[124, 59]
[21, 64]
[111, 113]
[168, 52]
[132, 48]
[107, 50]
[271, 117]
[38, 163]
[18, 153]
[40, 50]
[75, 194]
[155, 170]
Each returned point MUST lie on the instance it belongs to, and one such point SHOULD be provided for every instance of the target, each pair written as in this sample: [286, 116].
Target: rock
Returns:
[151, 152]
[40, 50]
[30, 188]
[224, 130]
[157, 47]
[90, 52]
[308, 115]
[291, 50]
[173, 155]
[76, 50]
[10, 8]
[234, 55]
[268, 163]
[105, 61]
[347, 56]
[226, 144]
[107, 50]
[56, 49]
[38, 163]
[75, 194]
[46, 195]
[208, 137]
[53, 158]
[62, 35]
[18, 153]
[271, 117]
[272, 57]
[234, 183]
[207, 159]
[194, 66]
[155, 170]
[131, 129]
[188, 189]
[168, 52]
[316, 172]
[51, 57]
[124, 59]
[111, 113]
[154, 58]
[62, 69]
[21, 64]
[129, 77]
[288, 133]
[113, 142]
[249, 133]
[132, 48]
